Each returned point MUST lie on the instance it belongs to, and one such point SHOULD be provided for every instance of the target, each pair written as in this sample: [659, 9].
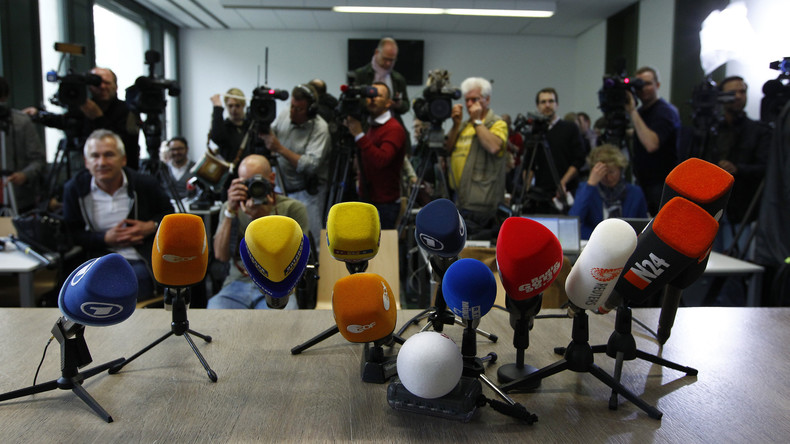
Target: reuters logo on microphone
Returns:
[605, 274]
[353, 328]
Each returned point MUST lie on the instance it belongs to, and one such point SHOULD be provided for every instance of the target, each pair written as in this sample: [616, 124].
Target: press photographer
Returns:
[250, 197]
[300, 138]
[382, 148]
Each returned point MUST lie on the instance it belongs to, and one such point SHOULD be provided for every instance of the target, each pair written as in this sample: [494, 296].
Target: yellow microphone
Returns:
[353, 231]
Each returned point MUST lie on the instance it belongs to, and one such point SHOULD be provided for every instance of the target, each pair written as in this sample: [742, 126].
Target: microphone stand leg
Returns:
[490, 336]
[211, 374]
[618, 371]
[315, 340]
[620, 388]
[83, 394]
[664, 363]
[206, 338]
[117, 367]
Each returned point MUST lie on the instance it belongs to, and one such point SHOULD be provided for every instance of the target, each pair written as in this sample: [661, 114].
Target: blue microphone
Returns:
[440, 229]
[100, 292]
[469, 289]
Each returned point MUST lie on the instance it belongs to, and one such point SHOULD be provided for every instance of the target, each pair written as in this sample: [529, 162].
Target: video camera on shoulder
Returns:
[352, 100]
[258, 189]
[436, 104]
[776, 92]
[147, 95]
[612, 96]
[263, 109]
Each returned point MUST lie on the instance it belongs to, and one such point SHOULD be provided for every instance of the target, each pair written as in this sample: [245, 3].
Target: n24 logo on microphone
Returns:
[642, 274]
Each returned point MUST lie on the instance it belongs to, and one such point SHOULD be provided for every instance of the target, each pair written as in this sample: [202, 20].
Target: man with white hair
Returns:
[477, 156]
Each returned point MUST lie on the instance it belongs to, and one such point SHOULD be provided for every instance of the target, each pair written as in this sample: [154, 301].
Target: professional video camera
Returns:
[258, 188]
[435, 105]
[531, 124]
[706, 100]
[147, 95]
[263, 109]
[776, 92]
[351, 103]
[612, 98]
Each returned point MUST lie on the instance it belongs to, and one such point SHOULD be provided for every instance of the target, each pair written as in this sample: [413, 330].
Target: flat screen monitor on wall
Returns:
[410, 55]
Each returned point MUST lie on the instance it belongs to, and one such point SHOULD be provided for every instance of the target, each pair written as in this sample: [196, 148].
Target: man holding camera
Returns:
[250, 196]
[477, 162]
[300, 138]
[740, 147]
[567, 152]
[381, 150]
[656, 126]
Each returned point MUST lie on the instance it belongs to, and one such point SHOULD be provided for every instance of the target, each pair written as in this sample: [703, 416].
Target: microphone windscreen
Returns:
[701, 182]
[528, 256]
[429, 364]
[440, 229]
[679, 235]
[180, 254]
[100, 292]
[274, 251]
[353, 231]
[592, 278]
[469, 289]
[364, 307]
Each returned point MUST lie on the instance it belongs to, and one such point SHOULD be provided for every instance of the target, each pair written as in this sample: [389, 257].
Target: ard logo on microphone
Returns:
[100, 310]
[642, 274]
[431, 242]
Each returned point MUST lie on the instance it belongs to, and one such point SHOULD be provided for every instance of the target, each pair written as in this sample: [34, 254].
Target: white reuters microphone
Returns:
[594, 275]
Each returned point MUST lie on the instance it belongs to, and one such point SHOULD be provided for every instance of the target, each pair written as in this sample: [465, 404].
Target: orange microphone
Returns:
[180, 254]
[364, 307]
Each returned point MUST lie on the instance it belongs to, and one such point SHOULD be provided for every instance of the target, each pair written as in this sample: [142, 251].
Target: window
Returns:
[50, 13]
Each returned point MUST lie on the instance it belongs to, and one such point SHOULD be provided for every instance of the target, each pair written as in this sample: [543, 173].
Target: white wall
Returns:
[654, 46]
[213, 61]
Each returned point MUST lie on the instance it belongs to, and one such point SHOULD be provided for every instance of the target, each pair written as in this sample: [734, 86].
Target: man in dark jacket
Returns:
[111, 208]
[380, 69]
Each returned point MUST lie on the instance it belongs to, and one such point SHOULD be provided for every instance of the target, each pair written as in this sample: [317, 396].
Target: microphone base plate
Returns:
[511, 372]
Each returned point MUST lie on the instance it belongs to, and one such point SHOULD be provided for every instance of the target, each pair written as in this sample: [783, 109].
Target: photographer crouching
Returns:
[250, 196]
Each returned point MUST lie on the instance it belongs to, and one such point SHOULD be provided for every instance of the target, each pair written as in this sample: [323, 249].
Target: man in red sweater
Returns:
[381, 151]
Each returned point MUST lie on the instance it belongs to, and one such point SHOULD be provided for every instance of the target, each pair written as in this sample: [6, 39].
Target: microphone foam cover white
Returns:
[429, 364]
[594, 275]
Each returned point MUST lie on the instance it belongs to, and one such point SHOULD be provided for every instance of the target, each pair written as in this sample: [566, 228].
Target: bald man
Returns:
[238, 290]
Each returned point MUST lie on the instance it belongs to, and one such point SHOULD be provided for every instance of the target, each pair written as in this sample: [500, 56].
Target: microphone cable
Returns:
[35, 377]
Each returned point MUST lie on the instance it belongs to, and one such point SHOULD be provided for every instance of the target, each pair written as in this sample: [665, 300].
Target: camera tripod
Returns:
[8, 207]
[578, 357]
[524, 192]
[179, 327]
[74, 354]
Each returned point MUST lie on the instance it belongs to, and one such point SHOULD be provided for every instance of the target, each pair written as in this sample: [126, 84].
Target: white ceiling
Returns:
[571, 17]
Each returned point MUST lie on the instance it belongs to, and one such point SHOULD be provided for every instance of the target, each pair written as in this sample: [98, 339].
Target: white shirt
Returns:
[177, 172]
[109, 210]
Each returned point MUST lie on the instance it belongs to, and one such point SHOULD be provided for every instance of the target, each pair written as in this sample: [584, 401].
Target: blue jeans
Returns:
[244, 293]
[145, 283]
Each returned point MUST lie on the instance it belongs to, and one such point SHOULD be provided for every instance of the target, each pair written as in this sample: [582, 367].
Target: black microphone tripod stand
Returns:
[179, 327]
[438, 315]
[522, 324]
[74, 354]
[622, 347]
[578, 357]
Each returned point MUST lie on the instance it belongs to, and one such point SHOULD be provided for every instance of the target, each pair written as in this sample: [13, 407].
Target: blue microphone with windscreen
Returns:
[440, 229]
[469, 289]
[100, 292]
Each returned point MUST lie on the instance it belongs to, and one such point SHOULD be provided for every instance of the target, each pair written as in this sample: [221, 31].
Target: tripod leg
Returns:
[595, 349]
[88, 399]
[100, 368]
[664, 363]
[491, 337]
[211, 374]
[32, 390]
[496, 389]
[206, 338]
[618, 372]
[639, 402]
[116, 368]
[315, 340]
[545, 372]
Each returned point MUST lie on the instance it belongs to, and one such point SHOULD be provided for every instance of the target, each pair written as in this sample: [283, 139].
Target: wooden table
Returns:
[264, 393]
